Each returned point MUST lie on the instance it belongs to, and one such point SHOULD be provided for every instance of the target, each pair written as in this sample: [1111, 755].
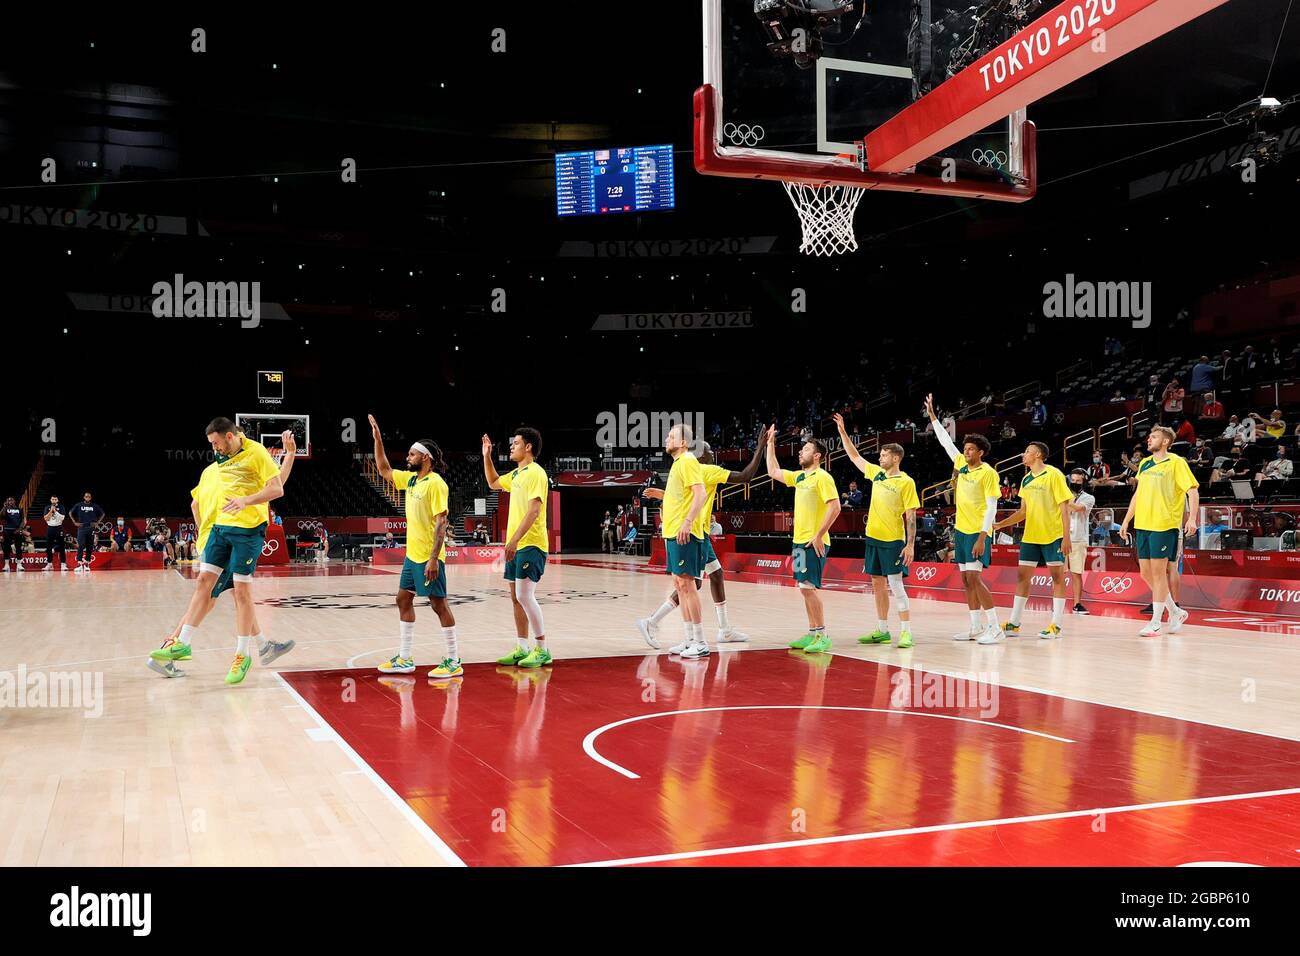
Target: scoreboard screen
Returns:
[631, 179]
[270, 387]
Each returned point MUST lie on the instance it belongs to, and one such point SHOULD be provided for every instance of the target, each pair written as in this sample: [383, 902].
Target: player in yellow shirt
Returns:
[424, 570]
[714, 475]
[1045, 500]
[206, 500]
[977, 507]
[891, 535]
[1166, 488]
[684, 500]
[526, 541]
[816, 506]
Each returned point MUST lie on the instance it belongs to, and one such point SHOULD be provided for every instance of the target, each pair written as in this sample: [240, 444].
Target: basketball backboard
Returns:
[266, 429]
[770, 109]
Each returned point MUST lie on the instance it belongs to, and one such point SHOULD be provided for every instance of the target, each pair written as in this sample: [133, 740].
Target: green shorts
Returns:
[963, 545]
[808, 565]
[884, 558]
[529, 562]
[1040, 555]
[707, 554]
[234, 550]
[413, 579]
[225, 581]
[685, 558]
[1158, 544]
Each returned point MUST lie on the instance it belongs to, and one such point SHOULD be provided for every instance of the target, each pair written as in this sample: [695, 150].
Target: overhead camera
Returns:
[800, 29]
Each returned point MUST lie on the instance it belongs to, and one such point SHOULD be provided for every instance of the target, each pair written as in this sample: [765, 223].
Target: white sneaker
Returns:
[48, 567]
[695, 652]
[680, 648]
[731, 635]
[992, 635]
[20, 566]
[1176, 625]
[967, 635]
[62, 568]
[649, 631]
[1151, 630]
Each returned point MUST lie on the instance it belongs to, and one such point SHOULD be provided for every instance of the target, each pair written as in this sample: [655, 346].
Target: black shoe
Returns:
[1080, 609]
[1148, 609]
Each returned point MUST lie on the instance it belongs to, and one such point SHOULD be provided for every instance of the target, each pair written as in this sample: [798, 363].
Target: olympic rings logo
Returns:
[1115, 585]
[926, 573]
[738, 521]
[989, 157]
[270, 547]
[308, 525]
[744, 134]
[487, 553]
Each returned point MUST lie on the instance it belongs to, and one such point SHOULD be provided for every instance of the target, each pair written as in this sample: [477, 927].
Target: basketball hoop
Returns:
[826, 215]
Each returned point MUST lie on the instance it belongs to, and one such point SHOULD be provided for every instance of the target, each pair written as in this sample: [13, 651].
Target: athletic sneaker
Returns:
[905, 639]
[449, 668]
[967, 636]
[273, 650]
[536, 658]
[1080, 609]
[695, 652]
[1177, 625]
[820, 645]
[799, 643]
[397, 664]
[1010, 629]
[168, 669]
[992, 635]
[679, 648]
[48, 567]
[876, 637]
[238, 668]
[1151, 630]
[20, 566]
[171, 651]
[731, 635]
[649, 631]
[1050, 632]
[514, 657]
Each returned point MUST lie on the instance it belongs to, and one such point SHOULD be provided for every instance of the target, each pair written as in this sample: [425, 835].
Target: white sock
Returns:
[974, 621]
[1017, 609]
[664, 610]
[453, 650]
[241, 645]
[187, 634]
[406, 638]
[882, 626]
[991, 615]
[699, 634]
[262, 643]
[1058, 610]
[525, 643]
[721, 611]
[1157, 609]
[904, 624]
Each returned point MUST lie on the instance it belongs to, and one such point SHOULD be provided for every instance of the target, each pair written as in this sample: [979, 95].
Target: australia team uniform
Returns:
[813, 491]
[208, 501]
[974, 487]
[687, 558]
[1043, 494]
[714, 475]
[1162, 488]
[426, 498]
[891, 497]
[235, 542]
[524, 484]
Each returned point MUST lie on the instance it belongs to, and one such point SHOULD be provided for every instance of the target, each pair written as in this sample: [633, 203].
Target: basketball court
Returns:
[1104, 748]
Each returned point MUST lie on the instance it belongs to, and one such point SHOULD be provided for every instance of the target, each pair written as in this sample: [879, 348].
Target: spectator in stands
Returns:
[160, 539]
[54, 518]
[1278, 469]
[1251, 367]
[1104, 528]
[121, 535]
[185, 545]
[84, 517]
[1212, 413]
[715, 526]
[12, 551]
[1237, 467]
[945, 541]
[1080, 513]
[1274, 424]
[1183, 432]
[1098, 472]
[1232, 433]
[1118, 398]
[482, 534]
[1153, 394]
[1171, 400]
[1008, 430]
[853, 497]
[275, 518]
[1202, 456]
[1273, 361]
[1037, 415]
[1229, 371]
[608, 536]
[1202, 376]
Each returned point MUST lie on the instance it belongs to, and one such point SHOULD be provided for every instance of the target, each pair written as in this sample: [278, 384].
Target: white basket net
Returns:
[826, 215]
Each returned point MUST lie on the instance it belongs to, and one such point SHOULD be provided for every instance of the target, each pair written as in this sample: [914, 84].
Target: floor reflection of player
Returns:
[529, 811]
[697, 802]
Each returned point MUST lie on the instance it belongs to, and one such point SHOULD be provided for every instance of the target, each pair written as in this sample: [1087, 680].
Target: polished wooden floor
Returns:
[318, 760]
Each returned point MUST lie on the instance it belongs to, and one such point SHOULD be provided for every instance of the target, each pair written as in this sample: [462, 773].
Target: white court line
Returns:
[444, 852]
[589, 742]
[938, 828]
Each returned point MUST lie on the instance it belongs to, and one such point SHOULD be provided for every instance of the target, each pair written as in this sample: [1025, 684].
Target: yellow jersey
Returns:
[974, 485]
[813, 491]
[1275, 428]
[714, 475]
[684, 474]
[1043, 495]
[246, 473]
[207, 496]
[1162, 488]
[426, 498]
[891, 496]
[524, 484]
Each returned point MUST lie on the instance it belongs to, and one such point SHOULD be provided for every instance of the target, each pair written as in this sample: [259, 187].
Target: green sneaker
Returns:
[1008, 628]
[800, 643]
[820, 645]
[536, 658]
[171, 651]
[876, 637]
[514, 657]
[905, 639]
[239, 668]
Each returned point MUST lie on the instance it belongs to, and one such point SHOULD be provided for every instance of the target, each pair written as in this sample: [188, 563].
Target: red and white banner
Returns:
[602, 479]
[101, 560]
[466, 554]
